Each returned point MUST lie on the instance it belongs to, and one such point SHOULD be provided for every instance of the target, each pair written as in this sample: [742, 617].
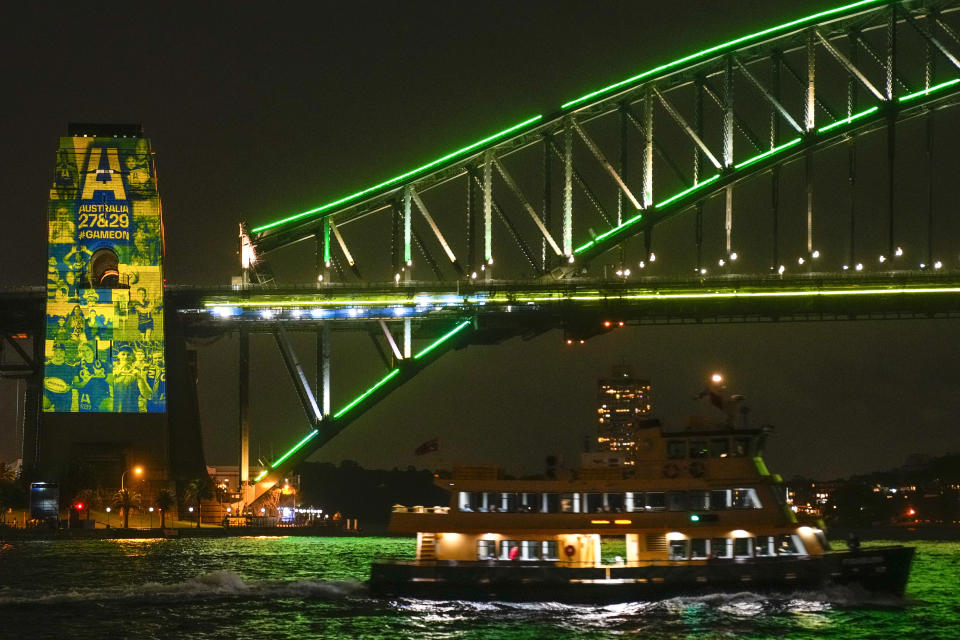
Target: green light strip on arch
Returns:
[721, 47]
[403, 176]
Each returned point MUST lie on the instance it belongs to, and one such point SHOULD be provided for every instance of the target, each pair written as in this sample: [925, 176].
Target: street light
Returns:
[151, 517]
[136, 471]
[108, 517]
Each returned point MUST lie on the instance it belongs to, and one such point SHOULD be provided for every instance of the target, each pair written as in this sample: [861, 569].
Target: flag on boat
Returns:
[428, 447]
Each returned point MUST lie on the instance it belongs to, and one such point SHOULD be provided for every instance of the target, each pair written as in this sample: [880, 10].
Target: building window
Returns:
[486, 549]
[676, 449]
[741, 447]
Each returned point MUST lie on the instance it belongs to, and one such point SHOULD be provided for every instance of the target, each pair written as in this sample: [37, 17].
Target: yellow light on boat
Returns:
[599, 522]
[804, 531]
[623, 522]
[740, 533]
[716, 378]
[675, 535]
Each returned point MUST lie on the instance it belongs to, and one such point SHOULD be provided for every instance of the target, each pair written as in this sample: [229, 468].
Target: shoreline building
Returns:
[623, 401]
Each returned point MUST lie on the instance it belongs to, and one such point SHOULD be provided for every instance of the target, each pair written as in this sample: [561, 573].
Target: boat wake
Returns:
[217, 585]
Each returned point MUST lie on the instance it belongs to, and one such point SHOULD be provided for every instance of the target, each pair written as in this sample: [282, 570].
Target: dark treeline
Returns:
[366, 494]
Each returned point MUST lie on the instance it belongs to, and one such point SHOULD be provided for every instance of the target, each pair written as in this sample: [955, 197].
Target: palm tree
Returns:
[198, 489]
[165, 500]
[125, 500]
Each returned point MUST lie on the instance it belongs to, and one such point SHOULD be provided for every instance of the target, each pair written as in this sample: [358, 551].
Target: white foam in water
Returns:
[210, 586]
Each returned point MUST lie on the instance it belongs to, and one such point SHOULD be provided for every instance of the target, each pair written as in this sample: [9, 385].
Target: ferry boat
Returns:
[689, 511]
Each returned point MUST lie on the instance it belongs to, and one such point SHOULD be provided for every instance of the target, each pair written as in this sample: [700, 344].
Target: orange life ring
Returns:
[671, 470]
[697, 469]
[569, 550]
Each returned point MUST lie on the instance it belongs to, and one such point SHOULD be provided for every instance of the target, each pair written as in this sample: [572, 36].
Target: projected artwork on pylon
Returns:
[104, 348]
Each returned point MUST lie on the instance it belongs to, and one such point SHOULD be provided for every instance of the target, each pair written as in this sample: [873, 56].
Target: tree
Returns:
[198, 489]
[125, 500]
[165, 500]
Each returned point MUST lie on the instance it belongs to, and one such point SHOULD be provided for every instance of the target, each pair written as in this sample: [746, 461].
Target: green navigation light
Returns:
[404, 176]
[848, 120]
[767, 154]
[442, 339]
[306, 439]
[721, 47]
[688, 191]
[694, 517]
[366, 393]
[924, 92]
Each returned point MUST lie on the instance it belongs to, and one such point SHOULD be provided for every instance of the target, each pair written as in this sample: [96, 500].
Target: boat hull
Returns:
[881, 569]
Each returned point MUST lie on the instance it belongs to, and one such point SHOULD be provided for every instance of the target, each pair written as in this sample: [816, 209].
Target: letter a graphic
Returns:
[100, 179]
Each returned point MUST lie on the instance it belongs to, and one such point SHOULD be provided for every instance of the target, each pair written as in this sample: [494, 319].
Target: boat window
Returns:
[467, 501]
[509, 549]
[656, 501]
[570, 503]
[742, 547]
[699, 449]
[486, 549]
[720, 499]
[484, 501]
[551, 503]
[741, 447]
[719, 448]
[765, 546]
[615, 502]
[745, 499]
[530, 550]
[633, 501]
[548, 550]
[698, 500]
[507, 502]
[698, 549]
[790, 545]
[528, 502]
[678, 549]
[595, 503]
[676, 449]
[822, 539]
[721, 547]
[676, 500]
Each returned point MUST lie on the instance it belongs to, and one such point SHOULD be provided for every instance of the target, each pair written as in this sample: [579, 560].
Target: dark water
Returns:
[300, 588]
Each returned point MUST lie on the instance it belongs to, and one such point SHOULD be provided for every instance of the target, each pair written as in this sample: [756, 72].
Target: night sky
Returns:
[257, 111]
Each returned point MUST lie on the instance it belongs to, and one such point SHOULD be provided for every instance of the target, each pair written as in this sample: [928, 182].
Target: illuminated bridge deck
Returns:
[644, 301]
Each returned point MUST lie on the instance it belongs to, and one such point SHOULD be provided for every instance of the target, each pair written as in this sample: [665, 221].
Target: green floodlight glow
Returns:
[623, 224]
[937, 87]
[720, 47]
[260, 477]
[848, 120]
[688, 191]
[307, 439]
[403, 176]
[366, 393]
[767, 154]
[442, 339]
